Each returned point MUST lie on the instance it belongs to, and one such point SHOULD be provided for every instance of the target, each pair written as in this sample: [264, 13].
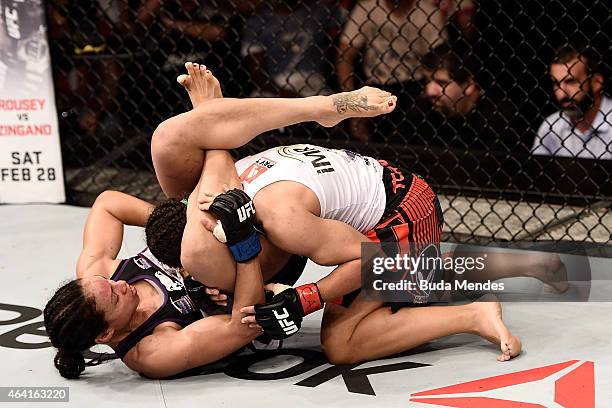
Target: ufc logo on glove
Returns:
[289, 327]
[245, 211]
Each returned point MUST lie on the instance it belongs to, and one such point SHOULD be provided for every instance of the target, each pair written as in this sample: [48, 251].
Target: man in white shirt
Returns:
[583, 126]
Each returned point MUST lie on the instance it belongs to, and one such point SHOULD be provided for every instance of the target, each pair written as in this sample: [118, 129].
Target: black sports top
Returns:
[176, 306]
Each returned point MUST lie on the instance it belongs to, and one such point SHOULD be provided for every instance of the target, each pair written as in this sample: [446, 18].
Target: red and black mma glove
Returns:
[236, 215]
[282, 316]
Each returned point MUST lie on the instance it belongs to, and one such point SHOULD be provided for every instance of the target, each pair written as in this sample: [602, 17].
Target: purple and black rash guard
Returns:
[176, 306]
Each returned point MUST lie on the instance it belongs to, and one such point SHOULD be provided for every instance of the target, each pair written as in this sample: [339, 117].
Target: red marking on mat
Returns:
[500, 381]
[476, 402]
[576, 389]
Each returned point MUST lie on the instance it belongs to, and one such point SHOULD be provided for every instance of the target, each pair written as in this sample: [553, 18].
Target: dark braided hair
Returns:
[164, 231]
[72, 323]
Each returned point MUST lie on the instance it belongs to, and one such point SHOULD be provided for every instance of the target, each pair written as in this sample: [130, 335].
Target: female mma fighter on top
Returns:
[292, 210]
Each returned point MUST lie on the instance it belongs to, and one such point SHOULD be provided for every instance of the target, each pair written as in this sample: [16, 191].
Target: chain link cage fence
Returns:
[490, 107]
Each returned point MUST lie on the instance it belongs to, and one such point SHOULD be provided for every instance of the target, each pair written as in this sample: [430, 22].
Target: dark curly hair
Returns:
[164, 231]
[72, 323]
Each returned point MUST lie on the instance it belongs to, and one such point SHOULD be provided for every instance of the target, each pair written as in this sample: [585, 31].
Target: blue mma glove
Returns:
[236, 215]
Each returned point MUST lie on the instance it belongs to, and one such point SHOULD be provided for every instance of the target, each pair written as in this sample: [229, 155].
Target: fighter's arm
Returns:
[170, 351]
[103, 231]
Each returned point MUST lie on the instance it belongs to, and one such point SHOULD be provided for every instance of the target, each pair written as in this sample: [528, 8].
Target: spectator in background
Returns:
[464, 114]
[583, 126]
[176, 31]
[285, 47]
[394, 36]
[84, 36]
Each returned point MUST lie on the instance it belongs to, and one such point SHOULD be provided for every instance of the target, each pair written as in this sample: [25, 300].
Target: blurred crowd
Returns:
[116, 62]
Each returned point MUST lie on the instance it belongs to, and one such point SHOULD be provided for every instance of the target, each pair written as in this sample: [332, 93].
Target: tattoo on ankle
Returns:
[353, 101]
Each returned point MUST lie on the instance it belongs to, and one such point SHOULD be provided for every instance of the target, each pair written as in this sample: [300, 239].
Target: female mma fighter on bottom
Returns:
[140, 309]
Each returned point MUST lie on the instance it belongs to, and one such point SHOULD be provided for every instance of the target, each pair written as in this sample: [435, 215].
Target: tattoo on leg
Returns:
[353, 101]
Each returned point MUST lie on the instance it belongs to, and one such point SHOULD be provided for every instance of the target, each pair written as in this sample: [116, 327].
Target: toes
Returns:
[203, 77]
[209, 82]
[388, 105]
[196, 72]
[184, 80]
[190, 69]
[196, 69]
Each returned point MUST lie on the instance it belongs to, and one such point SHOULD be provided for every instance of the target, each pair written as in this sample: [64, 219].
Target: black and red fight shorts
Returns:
[412, 219]
[412, 212]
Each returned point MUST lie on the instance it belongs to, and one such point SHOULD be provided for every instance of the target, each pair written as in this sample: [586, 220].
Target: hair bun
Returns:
[70, 363]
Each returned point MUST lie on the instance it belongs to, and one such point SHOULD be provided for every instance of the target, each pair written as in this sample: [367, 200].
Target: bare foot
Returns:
[366, 102]
[200, 83]
[555, 276]
[491, 327]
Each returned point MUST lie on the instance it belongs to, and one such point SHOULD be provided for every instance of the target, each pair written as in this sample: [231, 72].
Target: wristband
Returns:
[246, 249]
[310, 298]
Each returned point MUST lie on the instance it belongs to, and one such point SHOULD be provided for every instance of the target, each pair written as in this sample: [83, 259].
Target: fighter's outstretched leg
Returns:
[367, 330]
[226, 123]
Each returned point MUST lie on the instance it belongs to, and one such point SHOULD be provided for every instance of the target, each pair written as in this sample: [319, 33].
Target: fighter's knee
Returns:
[165, 135]
[338, 353]
[336, 347]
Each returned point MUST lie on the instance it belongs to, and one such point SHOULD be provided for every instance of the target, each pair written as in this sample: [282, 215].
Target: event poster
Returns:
[30, 156]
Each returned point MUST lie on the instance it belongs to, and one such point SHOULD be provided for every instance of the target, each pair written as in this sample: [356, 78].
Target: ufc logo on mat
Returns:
[245, 211]
[288, 326]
